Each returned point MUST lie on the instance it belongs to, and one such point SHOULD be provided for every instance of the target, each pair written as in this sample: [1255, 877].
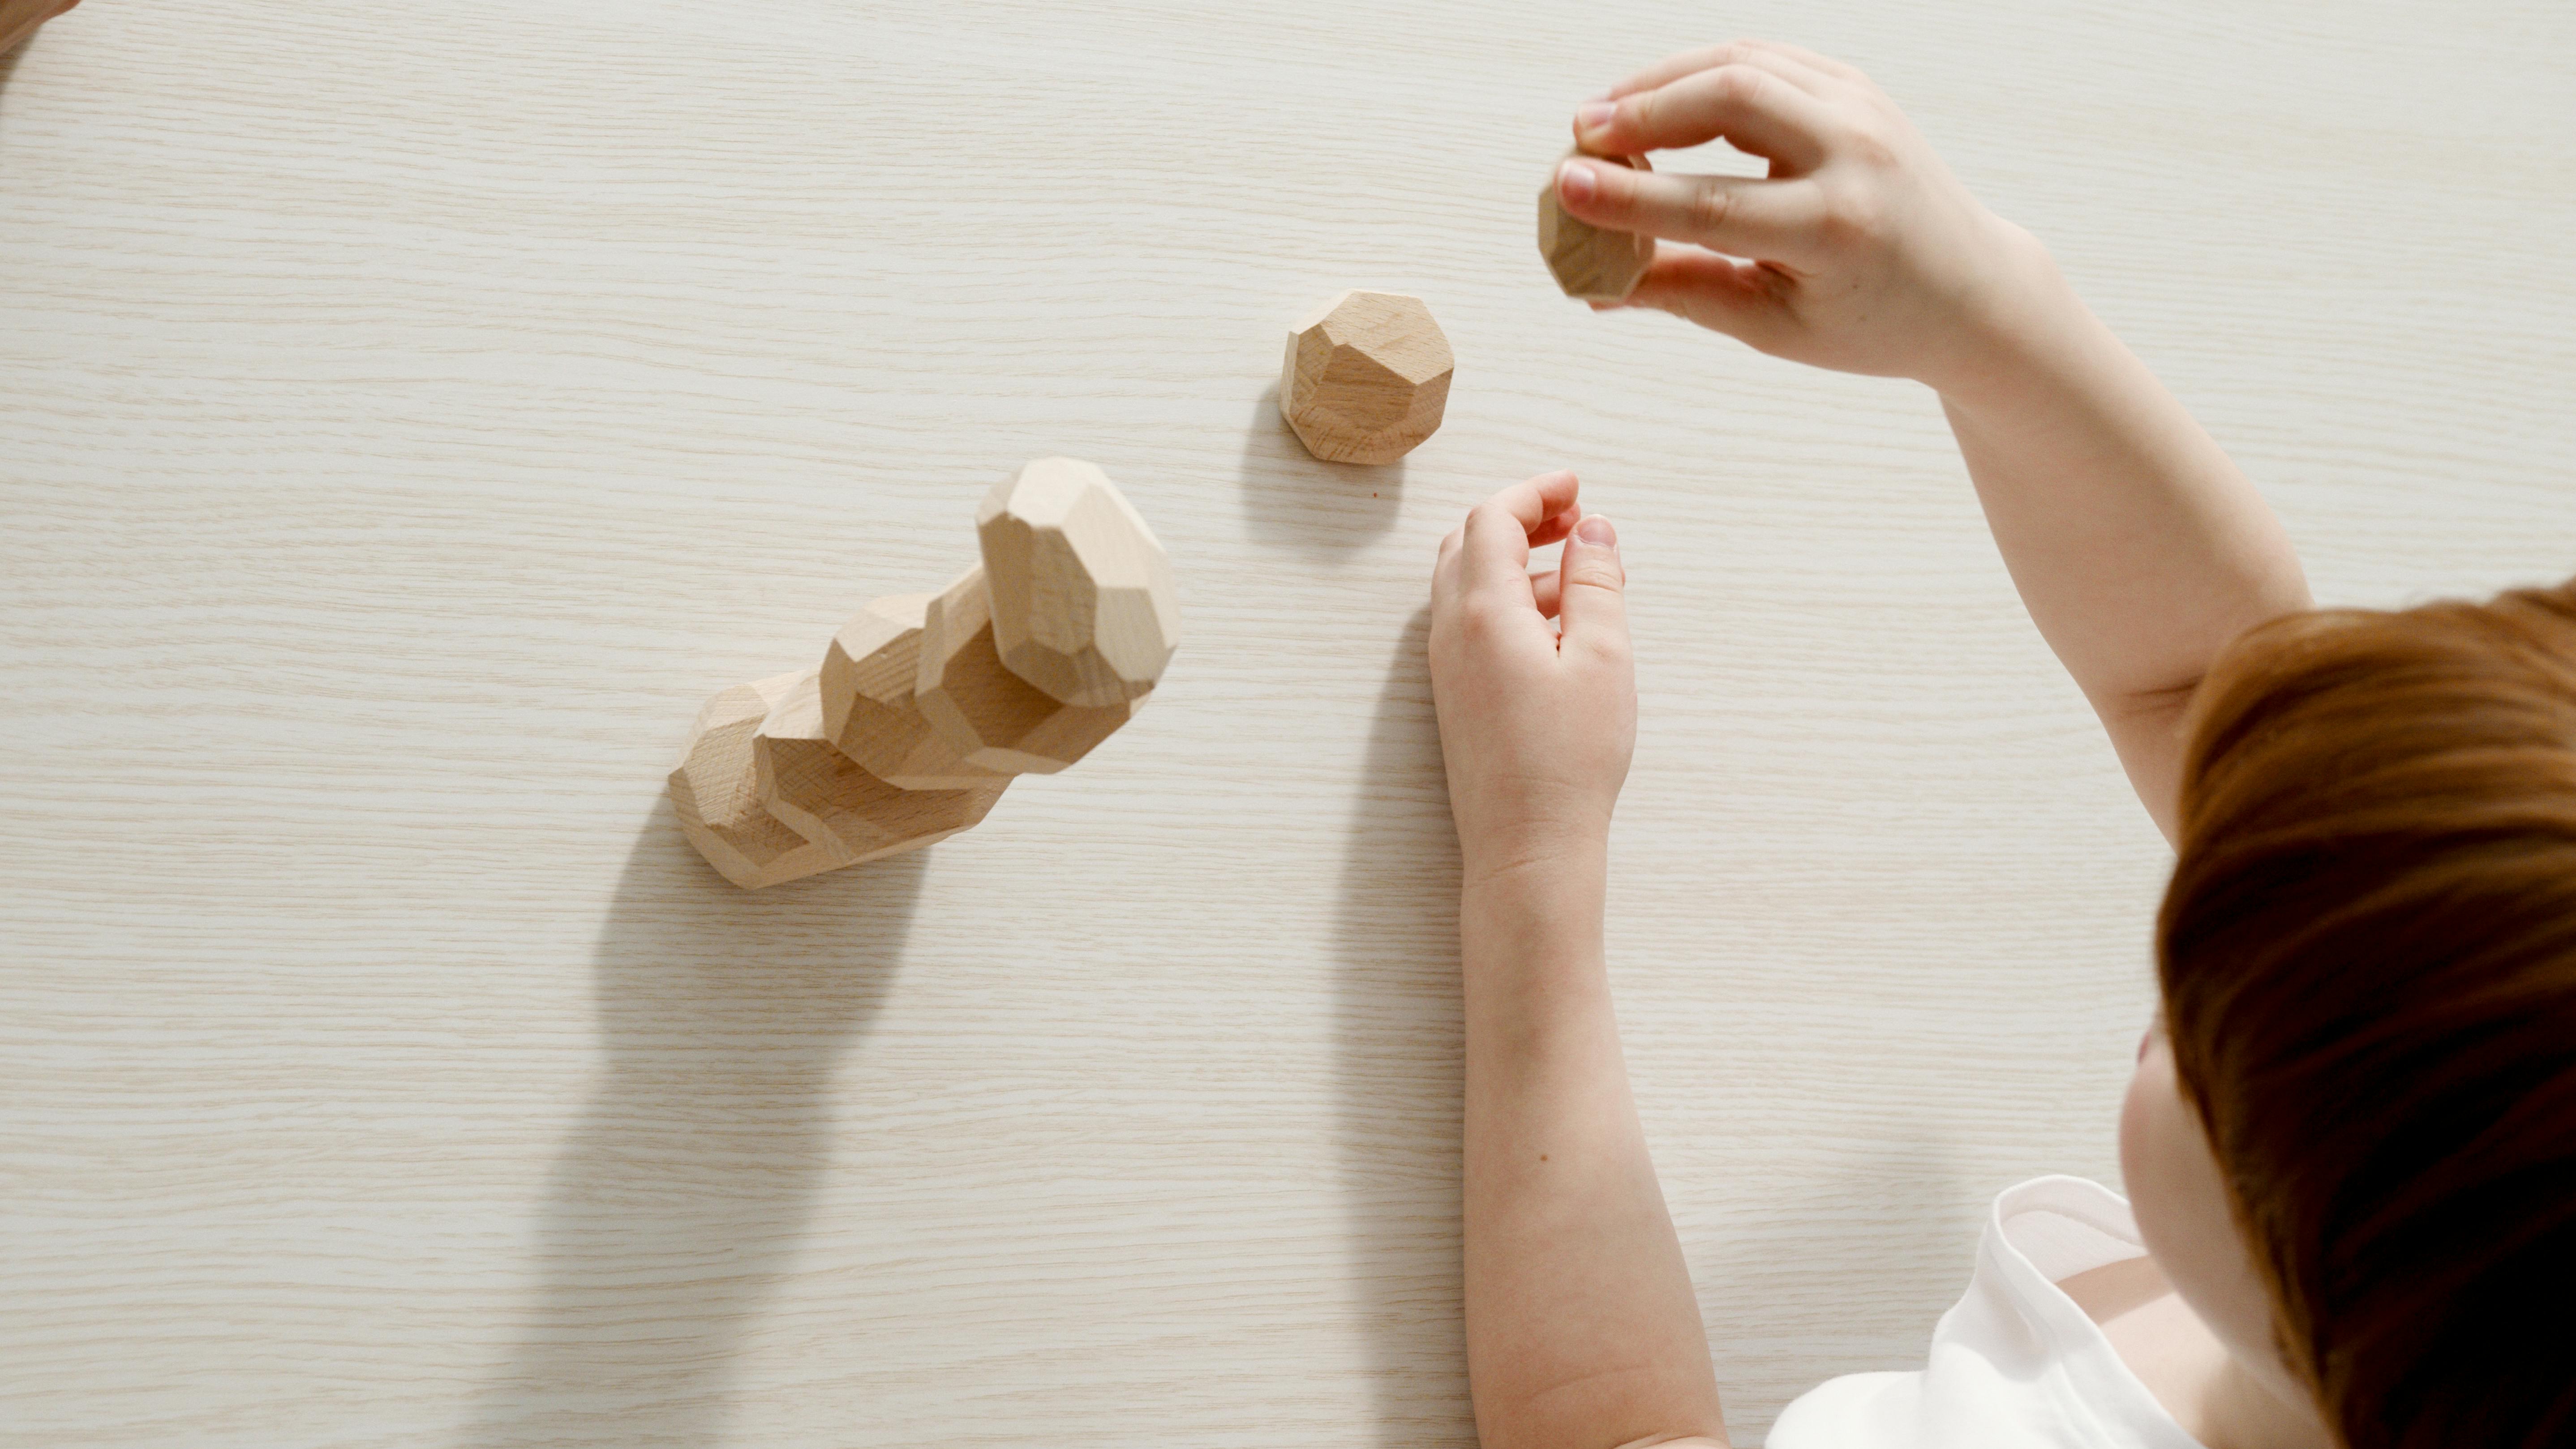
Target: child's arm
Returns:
[1582, 1329]
[2138, 547]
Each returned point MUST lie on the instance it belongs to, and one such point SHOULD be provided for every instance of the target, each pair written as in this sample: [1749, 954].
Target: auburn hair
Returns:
[2368, 959]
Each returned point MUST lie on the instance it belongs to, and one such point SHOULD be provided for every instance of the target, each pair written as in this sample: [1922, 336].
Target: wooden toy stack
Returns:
[926, 705]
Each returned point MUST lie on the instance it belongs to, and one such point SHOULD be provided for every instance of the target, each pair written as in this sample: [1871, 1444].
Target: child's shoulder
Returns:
[2016, 1363]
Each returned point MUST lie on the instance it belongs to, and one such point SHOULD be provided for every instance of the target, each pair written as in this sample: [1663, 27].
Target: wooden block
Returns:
[1595, 265]
[866, 685]
[1366, 378]
[805, 781]
[1081, 591]
[716, 793]
[766, 798]
[994, 718]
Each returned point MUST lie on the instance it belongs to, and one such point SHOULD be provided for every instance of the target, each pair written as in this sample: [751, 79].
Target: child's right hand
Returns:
[1865, 253]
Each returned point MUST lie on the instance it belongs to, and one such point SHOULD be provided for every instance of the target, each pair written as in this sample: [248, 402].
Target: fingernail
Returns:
[1593, 115]
[1597, 531]
[1575, 181]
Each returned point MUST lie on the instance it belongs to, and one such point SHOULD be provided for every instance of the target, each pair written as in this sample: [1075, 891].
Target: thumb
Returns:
[1594, 605]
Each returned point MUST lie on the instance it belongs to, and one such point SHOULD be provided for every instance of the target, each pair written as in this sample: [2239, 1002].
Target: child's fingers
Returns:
[1752, 107]
[1824, 64]
[1495, 550]
[1786, 63]
[1717, 292]
[1694, 282]
[1673, 67]
[1743, 216]
[1734, 52]
[1548, 589]
[1555, 526]
[1444, 572]
[1592, 602]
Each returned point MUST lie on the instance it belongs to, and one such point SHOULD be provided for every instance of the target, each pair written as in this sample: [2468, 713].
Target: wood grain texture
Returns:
[409, 415]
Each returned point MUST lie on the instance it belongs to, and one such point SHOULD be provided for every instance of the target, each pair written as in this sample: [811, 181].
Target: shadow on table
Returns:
[678, 1200]
[1842, 1266]
[1398, 1041]
[1292, 496]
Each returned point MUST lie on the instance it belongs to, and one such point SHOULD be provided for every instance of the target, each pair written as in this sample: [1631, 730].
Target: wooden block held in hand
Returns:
[716, 793]
[866, 684]
[823, 795]
[1366, 377]
[1595, 265]
[1081, 591]
[994, 718]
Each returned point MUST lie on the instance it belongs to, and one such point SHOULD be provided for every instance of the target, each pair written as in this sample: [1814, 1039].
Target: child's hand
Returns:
[1536, 729]
[1865, 253]
[19, 19]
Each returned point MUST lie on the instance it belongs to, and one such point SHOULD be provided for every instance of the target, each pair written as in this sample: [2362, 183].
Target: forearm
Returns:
[1582, 1329]
[2137, 545]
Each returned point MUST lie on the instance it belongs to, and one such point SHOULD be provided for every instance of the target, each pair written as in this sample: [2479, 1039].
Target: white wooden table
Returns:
[408, 414]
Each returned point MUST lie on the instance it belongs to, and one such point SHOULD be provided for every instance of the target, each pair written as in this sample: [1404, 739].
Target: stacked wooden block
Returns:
[926, 705]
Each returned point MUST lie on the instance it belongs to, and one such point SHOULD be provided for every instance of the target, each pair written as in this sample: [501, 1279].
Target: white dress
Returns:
[2016, 1364]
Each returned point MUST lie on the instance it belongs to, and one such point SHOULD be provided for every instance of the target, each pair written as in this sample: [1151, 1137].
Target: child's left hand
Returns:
[1536, 728]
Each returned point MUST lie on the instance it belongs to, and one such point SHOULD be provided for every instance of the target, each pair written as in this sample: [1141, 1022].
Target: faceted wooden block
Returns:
[765, 798]
[993, 717]
[1366, 377]
[1081, 592]
[823, 795]
[716, 793]
[1595, 265]
[868, 710]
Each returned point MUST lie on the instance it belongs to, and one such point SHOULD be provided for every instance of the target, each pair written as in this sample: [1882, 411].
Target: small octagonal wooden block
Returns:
[766, 798]
[716, 793]
[1081, 591]
[1366, 377]
[823, 795]
[989, 715]
[866, 686]
[1587, 262]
